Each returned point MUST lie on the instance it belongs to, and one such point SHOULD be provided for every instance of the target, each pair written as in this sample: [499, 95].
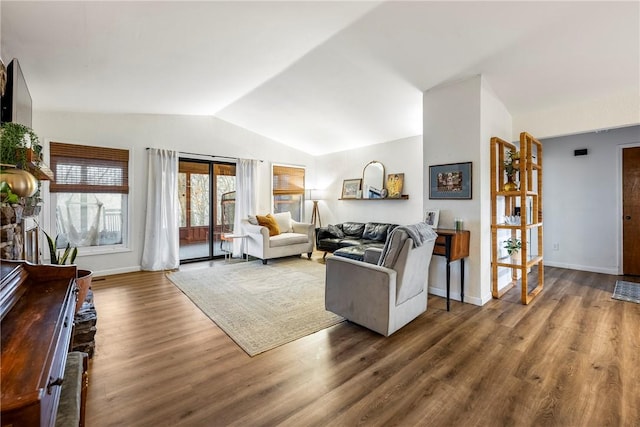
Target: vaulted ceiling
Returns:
[319, 76]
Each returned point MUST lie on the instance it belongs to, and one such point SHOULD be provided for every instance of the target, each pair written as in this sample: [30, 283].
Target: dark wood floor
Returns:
[570, 358]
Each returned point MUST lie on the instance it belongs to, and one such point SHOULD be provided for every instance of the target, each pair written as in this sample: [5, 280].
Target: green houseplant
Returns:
[510, 170]
[60, 258]
[513, 245]
[15, 140]
[20, 152]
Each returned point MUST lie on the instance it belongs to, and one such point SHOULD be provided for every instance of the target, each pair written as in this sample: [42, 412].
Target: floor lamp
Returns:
[315, 196]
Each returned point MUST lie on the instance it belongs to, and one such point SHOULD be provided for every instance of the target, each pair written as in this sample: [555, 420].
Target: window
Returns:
[90, 193]
[288, 190]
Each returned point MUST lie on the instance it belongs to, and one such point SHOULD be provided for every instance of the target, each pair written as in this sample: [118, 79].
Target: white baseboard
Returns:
[455, 296]
[613, 271]
[101, 273]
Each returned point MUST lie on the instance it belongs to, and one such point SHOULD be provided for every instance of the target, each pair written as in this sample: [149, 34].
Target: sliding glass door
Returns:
[207, 203]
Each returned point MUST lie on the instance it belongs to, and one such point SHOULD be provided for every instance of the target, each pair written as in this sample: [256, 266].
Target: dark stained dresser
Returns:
[37, 304]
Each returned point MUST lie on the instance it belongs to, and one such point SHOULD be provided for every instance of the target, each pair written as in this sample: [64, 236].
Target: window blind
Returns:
[288, 180]
[87, 169]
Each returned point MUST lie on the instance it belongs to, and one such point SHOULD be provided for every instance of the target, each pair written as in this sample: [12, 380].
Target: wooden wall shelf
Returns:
[403, 197]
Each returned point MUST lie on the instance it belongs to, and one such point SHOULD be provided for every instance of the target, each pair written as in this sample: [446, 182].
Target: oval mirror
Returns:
[373, 180]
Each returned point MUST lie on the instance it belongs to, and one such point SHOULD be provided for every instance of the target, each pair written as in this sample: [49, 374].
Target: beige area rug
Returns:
[261, 306]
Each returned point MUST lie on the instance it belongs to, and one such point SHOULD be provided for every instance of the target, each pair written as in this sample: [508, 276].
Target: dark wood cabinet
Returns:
[38, 303]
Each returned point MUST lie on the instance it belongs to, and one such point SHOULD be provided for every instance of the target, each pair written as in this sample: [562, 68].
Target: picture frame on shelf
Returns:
[350, 188]
[395, 182]
[431, 217]
[450, 181]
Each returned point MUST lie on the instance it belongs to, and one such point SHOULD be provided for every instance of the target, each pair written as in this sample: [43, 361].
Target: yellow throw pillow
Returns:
[269, 222]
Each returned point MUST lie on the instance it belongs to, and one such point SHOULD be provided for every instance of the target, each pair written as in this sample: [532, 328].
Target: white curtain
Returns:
[161, 233]
[246, 196]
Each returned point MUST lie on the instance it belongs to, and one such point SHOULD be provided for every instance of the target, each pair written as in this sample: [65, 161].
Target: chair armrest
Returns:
[359, 273]
[301, 227]
[253, 229]
[372, 255]
[304, 228]
[350, 283]
[323, 233]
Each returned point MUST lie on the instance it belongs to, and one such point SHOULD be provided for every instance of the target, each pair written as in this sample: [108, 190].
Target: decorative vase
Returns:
[510, 185]
[515, 257]
[83, 280]
[21, 182]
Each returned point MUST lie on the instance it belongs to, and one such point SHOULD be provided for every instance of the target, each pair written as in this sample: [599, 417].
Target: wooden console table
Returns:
[453, 245]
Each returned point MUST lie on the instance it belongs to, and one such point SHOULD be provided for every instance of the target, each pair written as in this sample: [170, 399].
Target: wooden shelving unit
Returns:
[528, 200]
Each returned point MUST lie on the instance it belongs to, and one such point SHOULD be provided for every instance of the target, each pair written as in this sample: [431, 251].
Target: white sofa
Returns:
[295, 238]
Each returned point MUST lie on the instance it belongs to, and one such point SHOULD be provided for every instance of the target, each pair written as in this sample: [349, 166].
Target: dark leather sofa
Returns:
[351, 239]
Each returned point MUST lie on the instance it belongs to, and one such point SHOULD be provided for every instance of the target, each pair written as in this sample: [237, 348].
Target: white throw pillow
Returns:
[284, 221]
[252, 219]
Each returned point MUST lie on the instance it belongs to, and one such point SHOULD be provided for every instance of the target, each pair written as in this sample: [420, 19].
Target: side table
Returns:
[453, 245]
[229, 238]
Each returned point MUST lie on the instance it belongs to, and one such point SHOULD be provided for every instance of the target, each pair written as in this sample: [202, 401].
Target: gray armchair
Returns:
[387, 296]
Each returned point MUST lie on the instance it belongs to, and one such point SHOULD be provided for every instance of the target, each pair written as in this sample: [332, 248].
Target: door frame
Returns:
[211, 162]
[619, 224]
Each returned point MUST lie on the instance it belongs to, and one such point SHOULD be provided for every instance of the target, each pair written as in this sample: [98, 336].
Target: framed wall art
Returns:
[395, 182]
[350, 188]
[450, 181]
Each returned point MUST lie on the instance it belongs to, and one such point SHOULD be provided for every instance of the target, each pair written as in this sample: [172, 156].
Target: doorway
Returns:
[631, 211]
[207, 204]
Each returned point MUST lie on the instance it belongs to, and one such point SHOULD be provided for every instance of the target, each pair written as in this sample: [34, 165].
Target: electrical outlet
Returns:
[556, 246]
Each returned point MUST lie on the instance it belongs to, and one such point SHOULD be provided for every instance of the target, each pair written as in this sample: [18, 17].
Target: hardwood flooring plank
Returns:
[570, 358]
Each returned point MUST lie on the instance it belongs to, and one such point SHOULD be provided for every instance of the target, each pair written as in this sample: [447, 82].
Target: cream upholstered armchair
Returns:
[385, 296]
[292, 238]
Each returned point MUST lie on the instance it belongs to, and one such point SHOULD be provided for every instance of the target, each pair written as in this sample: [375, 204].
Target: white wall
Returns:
[197, 134]
[607, 112]
[459, 119]
[495, 121]
[582, 200]
[401, 156]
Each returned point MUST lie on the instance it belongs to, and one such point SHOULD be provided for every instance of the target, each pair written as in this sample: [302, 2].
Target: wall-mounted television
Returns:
[16, 101]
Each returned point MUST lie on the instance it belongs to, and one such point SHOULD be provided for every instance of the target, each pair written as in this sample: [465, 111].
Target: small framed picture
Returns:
[350, 188]
[431, 217]
[395, 182]
[451, 181]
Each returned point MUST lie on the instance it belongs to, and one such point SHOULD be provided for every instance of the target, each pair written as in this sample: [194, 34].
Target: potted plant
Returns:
[60, 257]
[510, 169]
[15, 142]
[20, 152]
[513, 246]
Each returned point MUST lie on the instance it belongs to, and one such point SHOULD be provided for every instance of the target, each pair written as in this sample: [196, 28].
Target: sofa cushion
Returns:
[375, 231]
[284, 221]
[287, 239]
[353, 229]
[345, 243]
[351, 252]
[252, 219]
[269, 222]
[328, 244]
[335, 231]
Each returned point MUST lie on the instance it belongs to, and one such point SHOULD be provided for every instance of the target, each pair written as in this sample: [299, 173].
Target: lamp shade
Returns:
[315, 194]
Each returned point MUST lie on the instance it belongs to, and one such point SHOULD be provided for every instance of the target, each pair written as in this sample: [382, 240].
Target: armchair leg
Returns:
[264, 262]
[309, 255]
[324, 255]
